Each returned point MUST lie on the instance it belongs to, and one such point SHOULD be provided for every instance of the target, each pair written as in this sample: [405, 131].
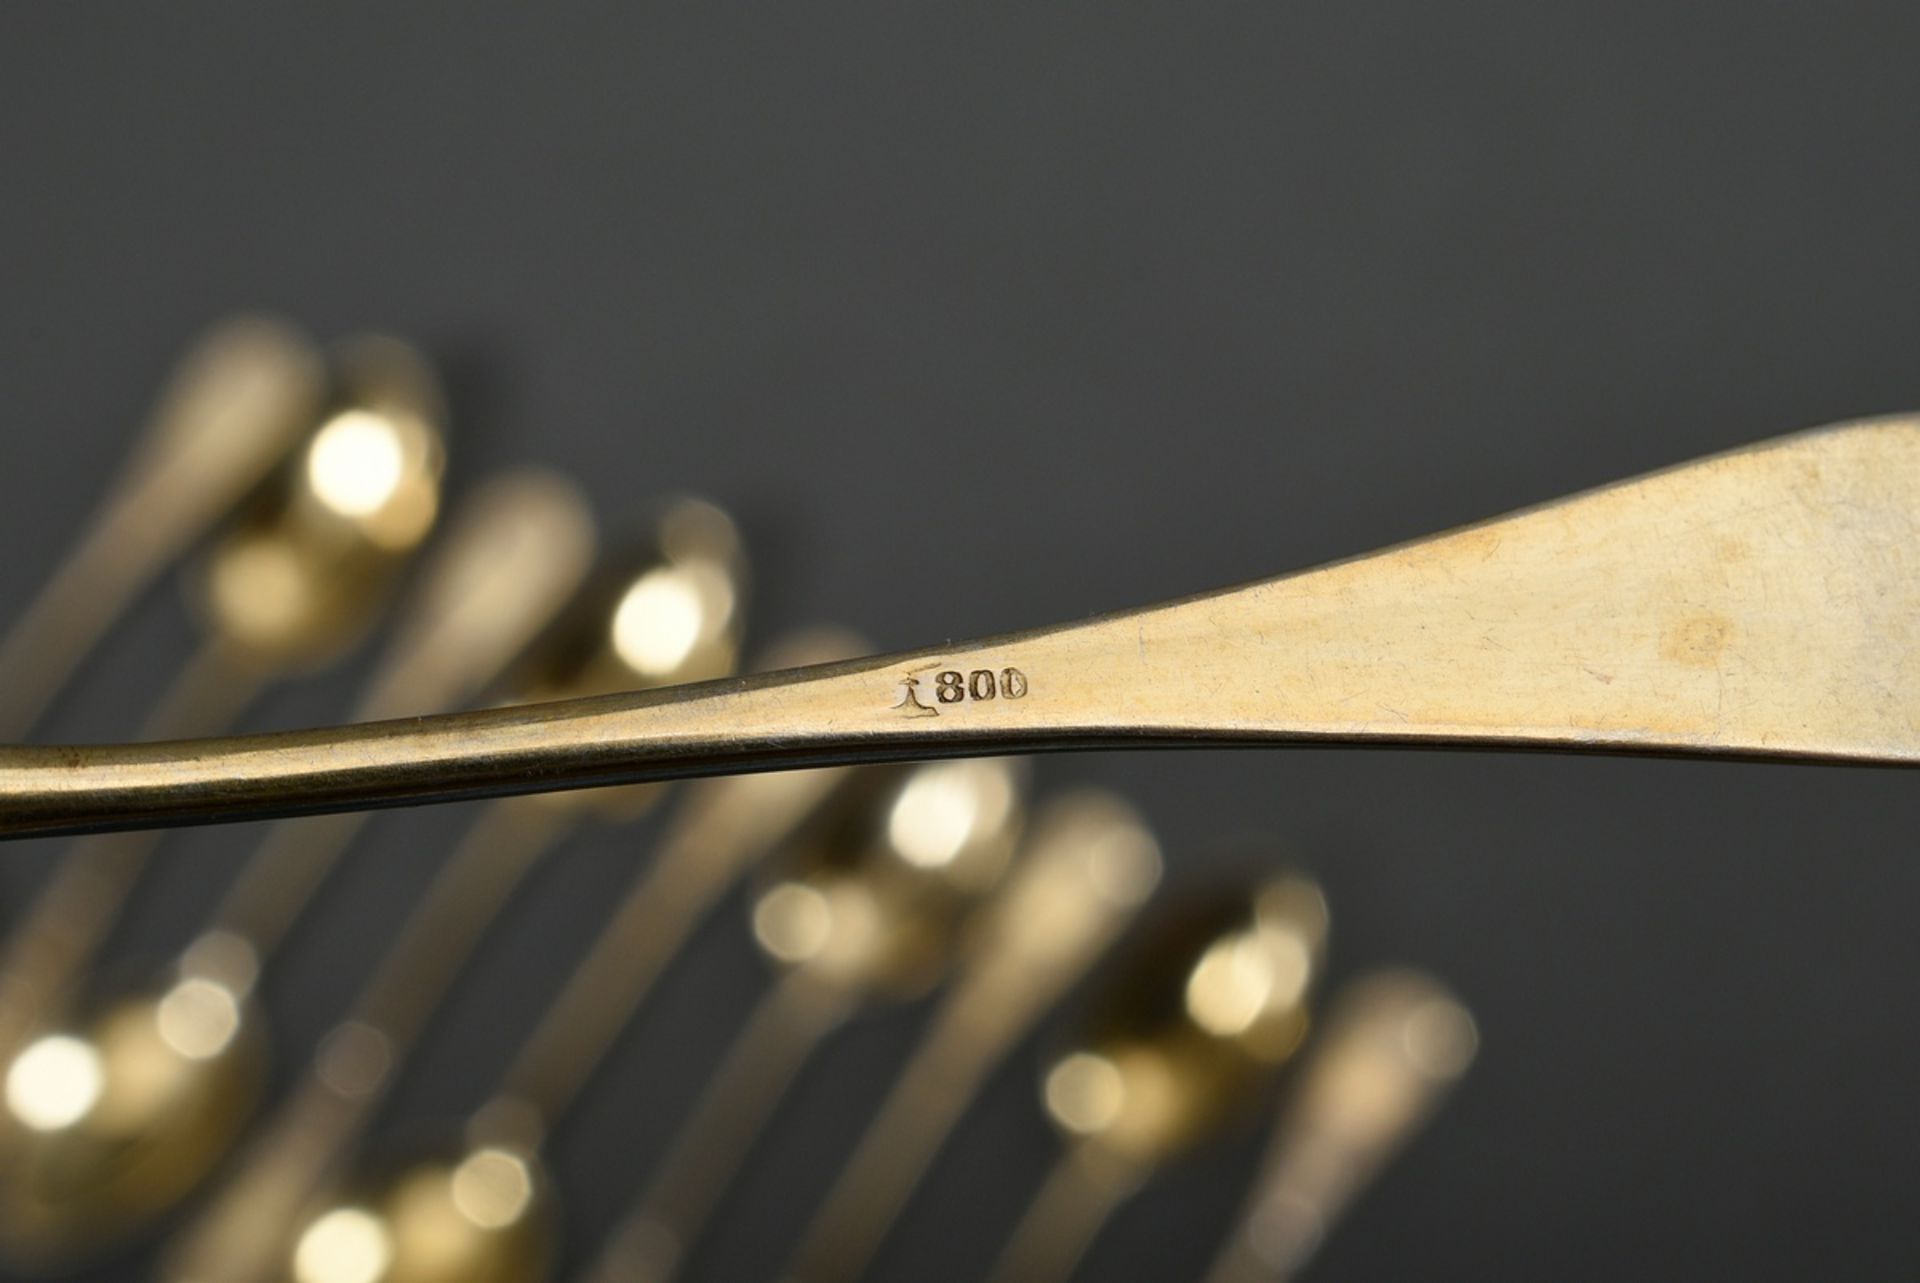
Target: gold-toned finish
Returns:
[1393, 1045]
[1090, 864]
[302, 575]
[472, 1219]
[236, 406]
[435, 1214]
[521, 548]
[1762, 603]
[1210, 1009]
[176, 1067]
[871, 905]
[722, 828]
[46, 952]
[690, 582]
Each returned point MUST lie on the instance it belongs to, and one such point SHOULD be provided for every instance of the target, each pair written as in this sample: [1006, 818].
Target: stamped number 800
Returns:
[951, 686]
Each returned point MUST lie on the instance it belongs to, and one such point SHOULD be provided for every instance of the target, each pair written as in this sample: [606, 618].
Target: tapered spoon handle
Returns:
[238, 1234]
[1079, 1197]
[1763, 603]
[1393, 1046]
[651, 1244]
[238, 405]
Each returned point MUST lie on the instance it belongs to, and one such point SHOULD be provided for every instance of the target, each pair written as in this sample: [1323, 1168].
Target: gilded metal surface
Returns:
[668, 610]
[872, 901]
[1762, 603]
[1089, 865]
[174, 1069]
[1212, 1005]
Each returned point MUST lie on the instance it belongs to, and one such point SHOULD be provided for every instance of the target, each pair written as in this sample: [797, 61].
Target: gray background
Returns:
[981, 318]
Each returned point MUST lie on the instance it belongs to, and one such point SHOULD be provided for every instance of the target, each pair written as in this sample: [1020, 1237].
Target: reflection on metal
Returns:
[492, 1187]
[198, 1018]
[1189, 1035]
[348, 1245]
[54, 1082]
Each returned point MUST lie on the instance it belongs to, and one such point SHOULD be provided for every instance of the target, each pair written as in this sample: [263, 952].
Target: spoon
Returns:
[670, 613]
[303, 573]
[237, 404]
[110, 1119]
[1761, 603]
[1088, 867]
[721, 828]
[1393, 1046]
[1212, 1007]
[870, 905]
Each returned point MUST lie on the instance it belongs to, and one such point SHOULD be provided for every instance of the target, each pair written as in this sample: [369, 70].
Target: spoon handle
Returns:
[652, 1243]
[233, 409]
[507, 839]
[1763, 603]
[1394, 1045]
[721, 829]
[1078, 1198]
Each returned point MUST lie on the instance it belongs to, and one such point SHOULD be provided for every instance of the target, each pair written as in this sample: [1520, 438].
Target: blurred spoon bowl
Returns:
[109, 1122]
[873, 897]
[1205, 1013]
[479, 1213]
[305, 570]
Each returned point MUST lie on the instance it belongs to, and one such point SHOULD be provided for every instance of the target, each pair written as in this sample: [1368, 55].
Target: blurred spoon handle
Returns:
[506, 840]
[1079, 1197]
[721, 829]
[234, 408]
[1394, 1045]
[311, 1138]
[651, 1245]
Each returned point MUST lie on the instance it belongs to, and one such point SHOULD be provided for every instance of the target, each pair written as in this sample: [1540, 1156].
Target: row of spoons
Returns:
[876, 885]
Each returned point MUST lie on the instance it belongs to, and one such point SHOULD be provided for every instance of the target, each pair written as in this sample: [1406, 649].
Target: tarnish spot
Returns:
[1698, 642]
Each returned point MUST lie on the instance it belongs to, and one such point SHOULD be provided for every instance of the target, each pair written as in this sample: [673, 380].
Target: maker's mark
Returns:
[910, 700]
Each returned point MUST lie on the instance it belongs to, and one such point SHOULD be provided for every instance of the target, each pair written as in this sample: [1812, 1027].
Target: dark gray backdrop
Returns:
[981, 318]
